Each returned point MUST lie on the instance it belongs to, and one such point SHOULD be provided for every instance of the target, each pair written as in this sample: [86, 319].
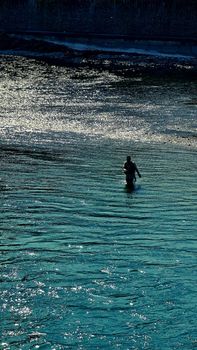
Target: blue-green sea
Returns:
[85, 263]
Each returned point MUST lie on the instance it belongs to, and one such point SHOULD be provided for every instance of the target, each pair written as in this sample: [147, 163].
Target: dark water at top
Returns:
[84, 263]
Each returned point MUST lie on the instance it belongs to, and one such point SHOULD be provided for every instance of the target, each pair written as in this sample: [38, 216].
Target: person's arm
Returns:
[137, 171]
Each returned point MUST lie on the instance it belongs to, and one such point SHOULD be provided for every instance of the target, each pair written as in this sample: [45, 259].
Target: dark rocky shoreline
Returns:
[121, 63]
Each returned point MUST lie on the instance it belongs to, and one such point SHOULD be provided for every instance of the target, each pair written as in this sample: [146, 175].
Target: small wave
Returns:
[45, 155]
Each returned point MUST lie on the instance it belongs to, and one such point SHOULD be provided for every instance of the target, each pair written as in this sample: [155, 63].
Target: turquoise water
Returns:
[85, 264]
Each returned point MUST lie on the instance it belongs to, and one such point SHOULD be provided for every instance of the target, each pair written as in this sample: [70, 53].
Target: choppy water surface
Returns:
[84, 263]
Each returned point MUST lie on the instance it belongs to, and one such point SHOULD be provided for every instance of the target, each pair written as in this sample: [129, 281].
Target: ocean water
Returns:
[84, 263]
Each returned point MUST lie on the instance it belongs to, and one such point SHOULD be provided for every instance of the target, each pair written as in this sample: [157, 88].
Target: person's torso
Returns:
[130, 167]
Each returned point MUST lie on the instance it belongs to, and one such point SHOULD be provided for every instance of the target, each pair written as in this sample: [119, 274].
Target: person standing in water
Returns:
[130, 169]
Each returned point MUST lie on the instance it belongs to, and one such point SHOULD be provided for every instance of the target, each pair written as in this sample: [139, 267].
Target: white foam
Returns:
[119, 49]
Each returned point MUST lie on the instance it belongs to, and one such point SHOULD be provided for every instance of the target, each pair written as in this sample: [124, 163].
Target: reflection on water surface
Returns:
[84, 263]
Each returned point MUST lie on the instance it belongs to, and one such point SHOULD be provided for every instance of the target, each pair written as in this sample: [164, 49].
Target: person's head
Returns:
[128, 158]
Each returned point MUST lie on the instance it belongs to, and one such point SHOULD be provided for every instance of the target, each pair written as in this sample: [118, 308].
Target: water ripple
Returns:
[86, 264]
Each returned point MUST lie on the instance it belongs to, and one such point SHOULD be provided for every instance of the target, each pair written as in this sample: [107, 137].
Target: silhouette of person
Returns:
[130, 169]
